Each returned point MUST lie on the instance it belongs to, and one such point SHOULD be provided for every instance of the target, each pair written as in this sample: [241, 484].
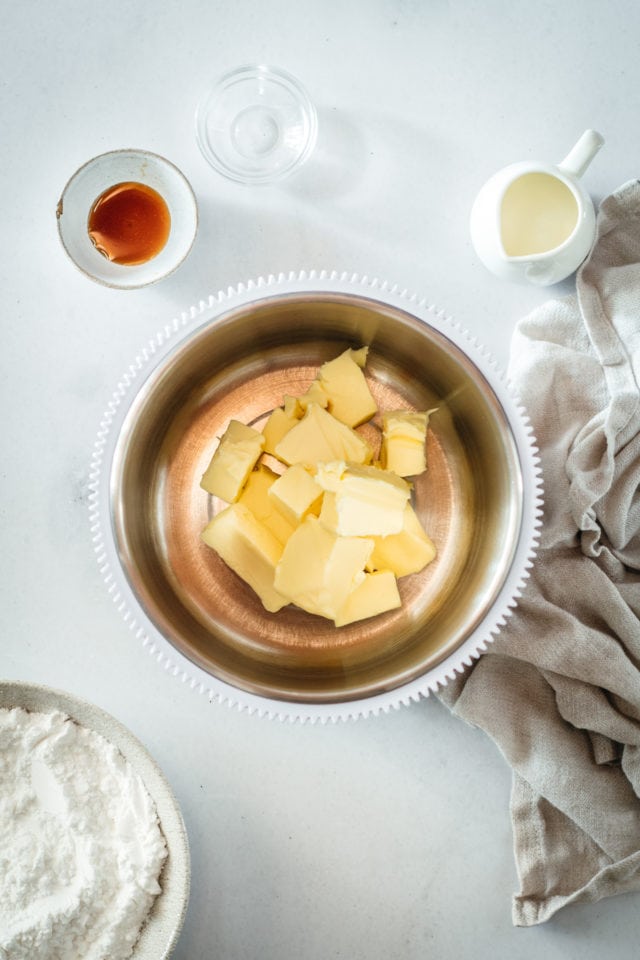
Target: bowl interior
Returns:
[96, 176]
[240, 366]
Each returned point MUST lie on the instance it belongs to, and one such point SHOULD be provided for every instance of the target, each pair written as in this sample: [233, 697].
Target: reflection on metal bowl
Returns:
[477, 500]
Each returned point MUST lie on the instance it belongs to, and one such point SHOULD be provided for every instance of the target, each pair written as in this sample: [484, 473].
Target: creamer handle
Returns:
[581, 155]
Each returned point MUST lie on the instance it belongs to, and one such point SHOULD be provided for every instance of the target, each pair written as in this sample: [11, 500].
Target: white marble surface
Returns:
[390, 837]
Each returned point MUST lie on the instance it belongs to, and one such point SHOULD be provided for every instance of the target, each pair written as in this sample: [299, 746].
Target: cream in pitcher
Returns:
[535, 222]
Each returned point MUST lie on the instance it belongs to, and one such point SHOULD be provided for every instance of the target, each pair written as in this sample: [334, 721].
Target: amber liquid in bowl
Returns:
[129, 223]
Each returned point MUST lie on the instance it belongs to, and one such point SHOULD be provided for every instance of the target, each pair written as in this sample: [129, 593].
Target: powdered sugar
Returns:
[80, 845]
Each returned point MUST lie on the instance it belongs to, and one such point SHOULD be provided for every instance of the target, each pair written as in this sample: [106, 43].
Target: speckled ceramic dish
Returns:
[162, 927]
[240, 354]
[105, 171]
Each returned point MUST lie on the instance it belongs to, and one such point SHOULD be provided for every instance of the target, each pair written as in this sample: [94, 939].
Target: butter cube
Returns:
[359, 356]
[364, 501]
[315, 394]
[255, 496]
[233, 461]
[296, 494]
[403, 441]
[345, 384]
[406, 552]
[249, 549]
[292, 407]
[328, 475]
[279, 422]
[319, 436]
[318, 570]
[377, 593]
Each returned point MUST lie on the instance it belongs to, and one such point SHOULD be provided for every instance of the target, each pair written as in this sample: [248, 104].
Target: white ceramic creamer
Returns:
[534, 222]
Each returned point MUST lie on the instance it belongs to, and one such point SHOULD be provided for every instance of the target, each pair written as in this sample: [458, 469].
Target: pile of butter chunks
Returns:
[332, 532]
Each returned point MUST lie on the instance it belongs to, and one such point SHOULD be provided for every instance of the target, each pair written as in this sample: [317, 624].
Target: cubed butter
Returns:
[255, 496]
[360, 355]
[319, 436]
[318, 570]
[249, 549]
[315, 394]
[406, 552]
[292, 407]
[345, 384]
[333, 532]
[278, 424]
[328, 475]
[404, 433]
[295, 494]
[377, 593]
[365, 501]
[234, 459]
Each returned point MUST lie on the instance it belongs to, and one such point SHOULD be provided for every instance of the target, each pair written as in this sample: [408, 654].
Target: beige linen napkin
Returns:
[559, 690]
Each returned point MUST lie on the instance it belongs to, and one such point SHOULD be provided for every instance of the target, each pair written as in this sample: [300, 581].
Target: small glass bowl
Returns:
[104, 171]
[256, 124]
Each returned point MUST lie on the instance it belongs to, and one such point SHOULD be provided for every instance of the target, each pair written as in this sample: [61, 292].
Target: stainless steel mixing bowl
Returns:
[240, 366]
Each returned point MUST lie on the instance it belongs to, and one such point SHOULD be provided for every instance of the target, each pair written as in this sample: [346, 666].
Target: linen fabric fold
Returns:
[559, 689]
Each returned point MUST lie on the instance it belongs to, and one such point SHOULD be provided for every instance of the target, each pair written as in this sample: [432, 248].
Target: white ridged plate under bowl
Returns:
[162, 928]
[184, 336]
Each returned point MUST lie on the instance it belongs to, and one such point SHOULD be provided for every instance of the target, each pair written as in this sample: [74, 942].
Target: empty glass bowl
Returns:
[256, 124]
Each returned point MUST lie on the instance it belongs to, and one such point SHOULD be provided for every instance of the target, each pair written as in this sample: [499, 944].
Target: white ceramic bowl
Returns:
[104, 171]
[161, 929]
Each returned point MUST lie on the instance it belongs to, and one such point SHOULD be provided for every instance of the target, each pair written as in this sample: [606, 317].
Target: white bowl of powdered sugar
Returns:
[94, 857]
